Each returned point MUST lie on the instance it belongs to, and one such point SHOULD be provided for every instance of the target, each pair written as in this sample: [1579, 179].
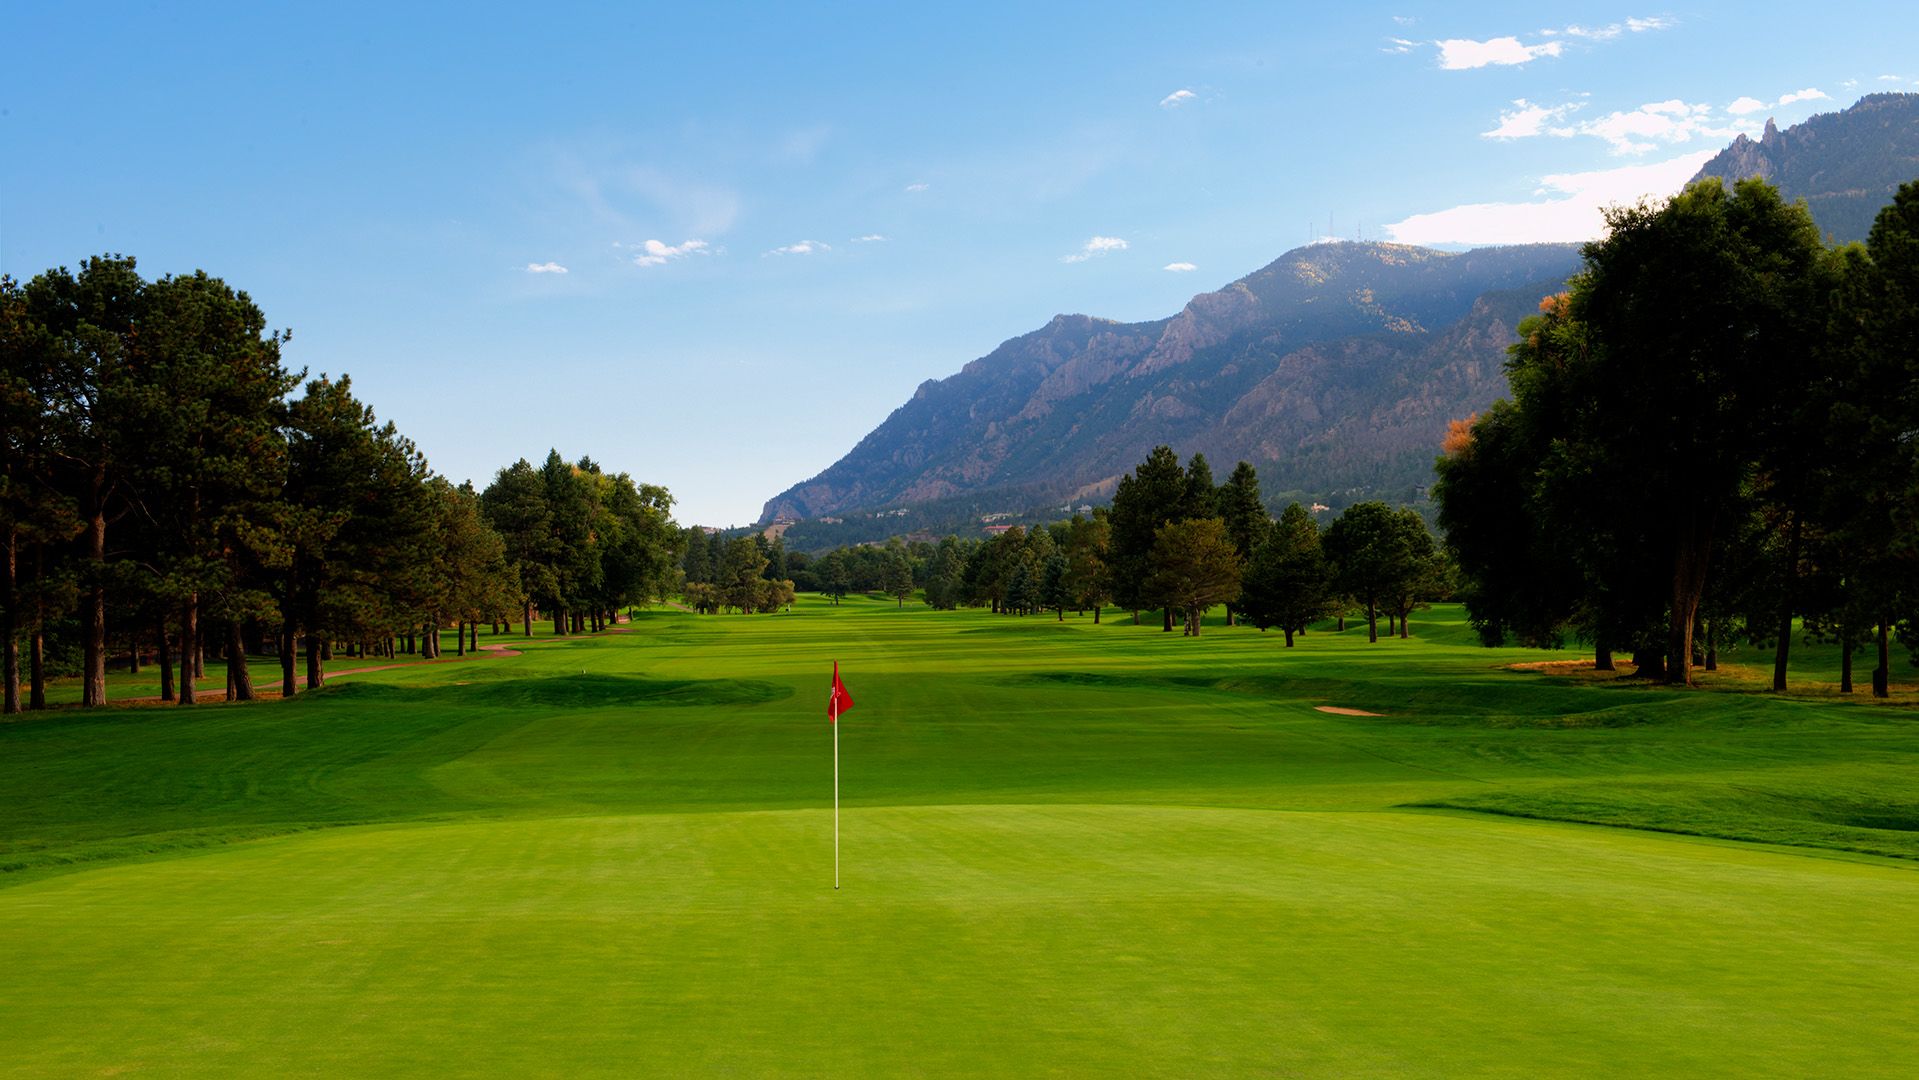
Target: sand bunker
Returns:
[1339, 711]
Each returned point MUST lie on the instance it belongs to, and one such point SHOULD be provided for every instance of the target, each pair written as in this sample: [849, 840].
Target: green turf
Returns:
[1068, 849]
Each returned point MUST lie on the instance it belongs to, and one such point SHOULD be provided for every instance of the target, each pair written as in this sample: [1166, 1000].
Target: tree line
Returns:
[169, 489]
[1173, 541]
[1710, 439]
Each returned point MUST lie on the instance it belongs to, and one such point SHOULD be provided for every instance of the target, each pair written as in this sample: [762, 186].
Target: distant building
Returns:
[1320, 508]
[995, 530]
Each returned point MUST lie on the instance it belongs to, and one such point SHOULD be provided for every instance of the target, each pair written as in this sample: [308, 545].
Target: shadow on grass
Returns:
[574, 692]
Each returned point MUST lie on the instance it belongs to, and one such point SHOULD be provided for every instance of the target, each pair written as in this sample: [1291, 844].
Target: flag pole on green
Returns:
[837, 703]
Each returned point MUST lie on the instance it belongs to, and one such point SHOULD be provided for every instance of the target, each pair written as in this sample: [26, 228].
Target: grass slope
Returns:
[1068, 849]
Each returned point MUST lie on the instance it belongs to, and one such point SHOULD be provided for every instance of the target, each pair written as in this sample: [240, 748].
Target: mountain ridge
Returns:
[1334, 368]
[1001, 422]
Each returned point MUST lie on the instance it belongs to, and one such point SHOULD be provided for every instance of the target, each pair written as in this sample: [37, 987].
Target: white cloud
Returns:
[1098, 245]
[804, 247]
[659, 252]
[1593, 33]
[1177, 98]
[1747, 105]
[1526, 119]
[1891, 78]
[1463, 54]
[1399, 46]
[545, 268]
[1568, 212]
[917, 187]
[1405, 20]
[1644, 129]
[869, 238]
[1180, 267]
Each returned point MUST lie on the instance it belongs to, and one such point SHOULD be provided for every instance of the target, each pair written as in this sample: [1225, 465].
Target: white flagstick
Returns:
[836, 784]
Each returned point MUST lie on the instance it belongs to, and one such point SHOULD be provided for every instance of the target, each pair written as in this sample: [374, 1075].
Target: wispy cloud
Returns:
[1405, 20]
[545, 268]
[804, 247]
[1640, 130]
[1669, 123]
[1097, 246]
[1180, 267]
[659, 252]
[1464, 54]
[1525, 120]
[1568, 209]
[917, 187]
[1745, 106]
[1892, 78]
[869, 238]
[1177, 98]
[1398, 46]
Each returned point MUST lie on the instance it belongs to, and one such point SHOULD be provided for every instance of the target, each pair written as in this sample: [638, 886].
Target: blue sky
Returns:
[714, 245]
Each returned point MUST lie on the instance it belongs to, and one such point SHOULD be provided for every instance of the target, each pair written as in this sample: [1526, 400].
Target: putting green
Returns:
[972, 939]
[1068, 850]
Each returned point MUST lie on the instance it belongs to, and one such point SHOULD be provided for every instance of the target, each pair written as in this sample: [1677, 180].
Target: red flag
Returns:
[840, 701]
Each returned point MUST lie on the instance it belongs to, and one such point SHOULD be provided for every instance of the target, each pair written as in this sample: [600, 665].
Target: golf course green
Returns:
[1067, 849]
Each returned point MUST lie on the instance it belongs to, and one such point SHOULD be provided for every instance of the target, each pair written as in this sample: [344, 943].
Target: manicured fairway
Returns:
[1068, 849]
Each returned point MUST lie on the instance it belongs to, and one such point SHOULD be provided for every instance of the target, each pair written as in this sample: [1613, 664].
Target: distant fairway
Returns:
[1068, 849]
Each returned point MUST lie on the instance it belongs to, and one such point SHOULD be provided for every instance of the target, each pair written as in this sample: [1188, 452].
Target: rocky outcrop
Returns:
[1846, 165]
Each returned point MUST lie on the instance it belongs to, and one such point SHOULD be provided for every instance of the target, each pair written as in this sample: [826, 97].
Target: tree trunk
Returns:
[1882, 675]
[1404, 630]
[37, 666]
[238, 675]
[164, 657]
[1341, 628]
[93, 603]
[1845, 658]
[526, 613]
[1648, 663]
[1168, 627]
[1692, 551]
[1602, 653]
[289, 644]
[476, 636]
[1712, 644]
[1791, 578]
[1096, 614]
[37, 641]
[10, 631]
[199, 649]
[1372, 623]
[316, 668]
[1289, 636]
[189, 638]
[559, 623]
